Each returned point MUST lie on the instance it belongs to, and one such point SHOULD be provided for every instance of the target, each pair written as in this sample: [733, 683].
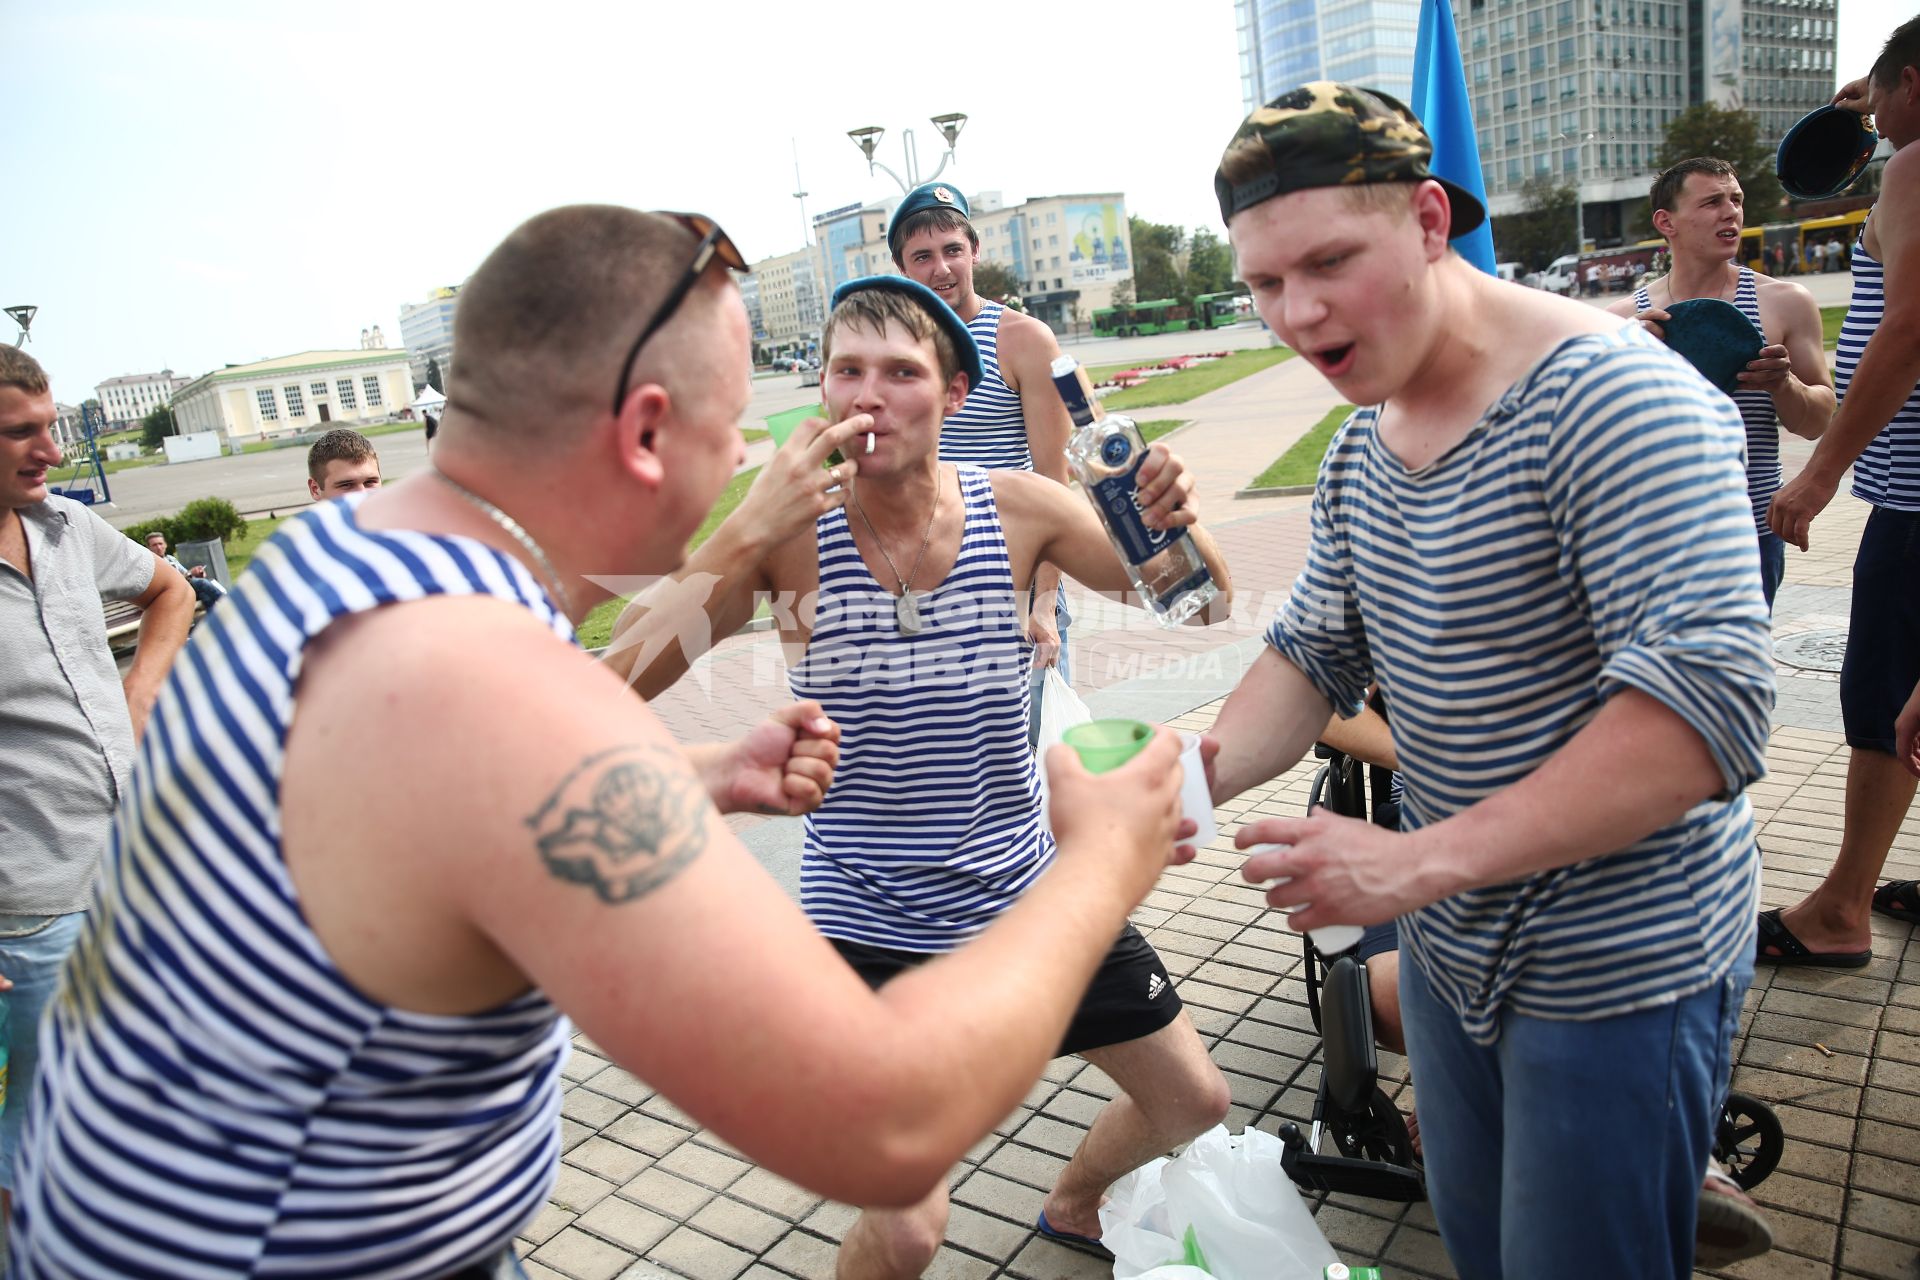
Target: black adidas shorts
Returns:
[1130, 996]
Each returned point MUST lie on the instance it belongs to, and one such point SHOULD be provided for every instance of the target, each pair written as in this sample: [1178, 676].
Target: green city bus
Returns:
[1217, 310]
[1143, 317]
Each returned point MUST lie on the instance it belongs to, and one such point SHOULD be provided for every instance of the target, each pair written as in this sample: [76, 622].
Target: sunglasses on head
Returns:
[713, 243]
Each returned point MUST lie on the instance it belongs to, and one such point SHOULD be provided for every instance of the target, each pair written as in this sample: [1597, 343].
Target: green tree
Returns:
[1209, 264]
[1733, 136]
[433, 374]
[1122, 294]
[995, 280]
[157, 426]
[1156, 264]
[1543, 228]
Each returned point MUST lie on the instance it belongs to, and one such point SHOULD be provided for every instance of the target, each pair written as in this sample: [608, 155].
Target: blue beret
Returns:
[1715, 337]
[1823, 153]
[935, 306]
[928, 195]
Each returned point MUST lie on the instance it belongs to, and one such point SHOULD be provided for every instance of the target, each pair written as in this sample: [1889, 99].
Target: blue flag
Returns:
[1440, 100]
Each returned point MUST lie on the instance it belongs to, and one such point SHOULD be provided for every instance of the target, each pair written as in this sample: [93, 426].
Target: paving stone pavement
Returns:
[644, 1192]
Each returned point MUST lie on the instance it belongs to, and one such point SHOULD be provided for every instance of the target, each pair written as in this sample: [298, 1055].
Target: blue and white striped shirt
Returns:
[1756, 411]
[1588, 536]
[991, 429]
[215, 1098]
[932, 827]
[1887, 473]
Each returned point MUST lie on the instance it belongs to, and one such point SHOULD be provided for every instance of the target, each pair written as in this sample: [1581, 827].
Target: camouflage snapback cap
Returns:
[1331, 135]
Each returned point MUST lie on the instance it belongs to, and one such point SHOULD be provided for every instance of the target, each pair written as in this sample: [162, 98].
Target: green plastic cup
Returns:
[780, 426]
[1107, 744]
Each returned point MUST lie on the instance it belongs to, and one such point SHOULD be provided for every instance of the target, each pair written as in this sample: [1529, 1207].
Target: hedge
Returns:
[202, 520]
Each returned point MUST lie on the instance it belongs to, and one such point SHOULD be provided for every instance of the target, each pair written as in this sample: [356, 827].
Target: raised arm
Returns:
[675, 621]
[582, 849]
[1027, 351]
[1071, 535]
[1888, 368]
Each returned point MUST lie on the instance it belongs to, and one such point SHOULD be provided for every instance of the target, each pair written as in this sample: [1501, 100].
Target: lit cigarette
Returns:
[869, 442]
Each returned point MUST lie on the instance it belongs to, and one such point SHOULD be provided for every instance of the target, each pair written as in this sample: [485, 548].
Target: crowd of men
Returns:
[328, 1036]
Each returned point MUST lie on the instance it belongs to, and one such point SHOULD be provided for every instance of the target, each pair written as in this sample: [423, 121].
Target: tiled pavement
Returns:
[643, 1192]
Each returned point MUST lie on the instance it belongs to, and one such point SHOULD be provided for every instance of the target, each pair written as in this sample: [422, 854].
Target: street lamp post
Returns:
[868, 138]
[1579, 170]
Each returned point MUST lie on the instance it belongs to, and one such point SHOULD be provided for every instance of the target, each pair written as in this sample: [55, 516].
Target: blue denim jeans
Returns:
[1571, 1149]
[32, 951]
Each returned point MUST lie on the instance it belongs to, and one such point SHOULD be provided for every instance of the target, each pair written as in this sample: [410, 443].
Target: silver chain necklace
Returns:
[518, 534]
[906, 609]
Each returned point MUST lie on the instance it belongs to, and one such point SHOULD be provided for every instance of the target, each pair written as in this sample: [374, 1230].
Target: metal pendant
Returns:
[906, 613]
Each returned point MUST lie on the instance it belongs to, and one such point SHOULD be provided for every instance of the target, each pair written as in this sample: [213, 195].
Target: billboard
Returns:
[1097, 243]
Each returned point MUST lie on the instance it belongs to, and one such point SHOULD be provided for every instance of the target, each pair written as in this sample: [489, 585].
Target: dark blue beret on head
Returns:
[928, 195]
[935, 306]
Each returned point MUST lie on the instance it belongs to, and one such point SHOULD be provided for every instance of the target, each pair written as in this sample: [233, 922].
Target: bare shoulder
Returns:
[1025, 342]
[1785, 302]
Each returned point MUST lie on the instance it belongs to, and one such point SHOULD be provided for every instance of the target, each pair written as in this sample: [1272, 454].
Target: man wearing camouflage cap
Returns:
[1534, 536]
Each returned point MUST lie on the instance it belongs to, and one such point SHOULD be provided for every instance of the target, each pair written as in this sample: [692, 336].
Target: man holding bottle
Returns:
[907, 633]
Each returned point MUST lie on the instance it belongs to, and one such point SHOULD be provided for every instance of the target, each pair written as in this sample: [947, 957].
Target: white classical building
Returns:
[132, 396]
[303, 392]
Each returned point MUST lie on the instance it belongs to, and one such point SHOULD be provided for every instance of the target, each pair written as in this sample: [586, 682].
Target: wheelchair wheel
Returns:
[1379, 1133]
[1749, 1140]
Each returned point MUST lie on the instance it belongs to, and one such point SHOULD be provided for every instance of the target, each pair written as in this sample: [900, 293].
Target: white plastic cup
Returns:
[1329, 939]
[1196, 799]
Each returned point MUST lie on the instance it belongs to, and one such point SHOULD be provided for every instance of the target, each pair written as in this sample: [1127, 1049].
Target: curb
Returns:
[1278, 491]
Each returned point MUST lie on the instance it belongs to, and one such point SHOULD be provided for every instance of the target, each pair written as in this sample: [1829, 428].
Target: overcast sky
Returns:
[198, 183]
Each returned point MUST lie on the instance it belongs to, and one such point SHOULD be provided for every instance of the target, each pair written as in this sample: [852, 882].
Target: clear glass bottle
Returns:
[1105, 453]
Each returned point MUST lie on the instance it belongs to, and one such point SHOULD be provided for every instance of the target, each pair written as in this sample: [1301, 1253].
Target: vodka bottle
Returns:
[1105, 454]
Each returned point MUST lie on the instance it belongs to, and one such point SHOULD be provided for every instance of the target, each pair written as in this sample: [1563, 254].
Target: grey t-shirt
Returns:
[66, 742]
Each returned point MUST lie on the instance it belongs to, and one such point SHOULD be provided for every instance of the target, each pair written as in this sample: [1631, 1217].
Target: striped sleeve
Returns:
[1646, 481]
[1318, 629]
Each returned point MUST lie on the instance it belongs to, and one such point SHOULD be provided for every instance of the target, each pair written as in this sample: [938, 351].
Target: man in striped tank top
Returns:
[1533, 535]
[1877, 433]
[1012, 418]
[1699, 208]
[906, 630]
[392, 838]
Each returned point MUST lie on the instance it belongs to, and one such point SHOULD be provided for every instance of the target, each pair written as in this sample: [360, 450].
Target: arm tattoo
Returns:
[625, 821]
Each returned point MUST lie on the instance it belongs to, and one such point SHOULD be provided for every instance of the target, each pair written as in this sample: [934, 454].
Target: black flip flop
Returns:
[1085, 1244]
[1887, 897]
[1792, 951]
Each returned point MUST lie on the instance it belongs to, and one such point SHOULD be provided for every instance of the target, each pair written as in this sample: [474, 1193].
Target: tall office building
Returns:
[1574, 91]
[1284, 43]
[1582, 91]
[427, 330]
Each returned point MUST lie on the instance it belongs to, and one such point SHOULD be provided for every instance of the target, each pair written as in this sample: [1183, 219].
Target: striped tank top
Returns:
[932, 827]
[215, 1099]
[1756, 412]
[1587, 536]
[1887, 473]
[990, 430]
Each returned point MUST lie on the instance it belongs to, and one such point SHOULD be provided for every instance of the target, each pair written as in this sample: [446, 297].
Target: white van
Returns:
[1562, 275]
[1508, 271]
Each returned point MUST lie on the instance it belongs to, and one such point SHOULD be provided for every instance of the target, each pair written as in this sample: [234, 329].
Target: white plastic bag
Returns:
[1246, 1218]
[1060, 710]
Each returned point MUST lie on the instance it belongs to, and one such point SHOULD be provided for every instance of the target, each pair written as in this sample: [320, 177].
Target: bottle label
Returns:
[1118, 498]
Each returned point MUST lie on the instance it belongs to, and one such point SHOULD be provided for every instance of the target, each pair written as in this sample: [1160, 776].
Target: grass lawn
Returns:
[1151, 431]
[1830, 320]
[241, 548]
[1178, 388]
[1301, 463]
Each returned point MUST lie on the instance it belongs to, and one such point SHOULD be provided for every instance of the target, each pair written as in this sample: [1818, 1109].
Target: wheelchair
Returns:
[1357, 1142]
